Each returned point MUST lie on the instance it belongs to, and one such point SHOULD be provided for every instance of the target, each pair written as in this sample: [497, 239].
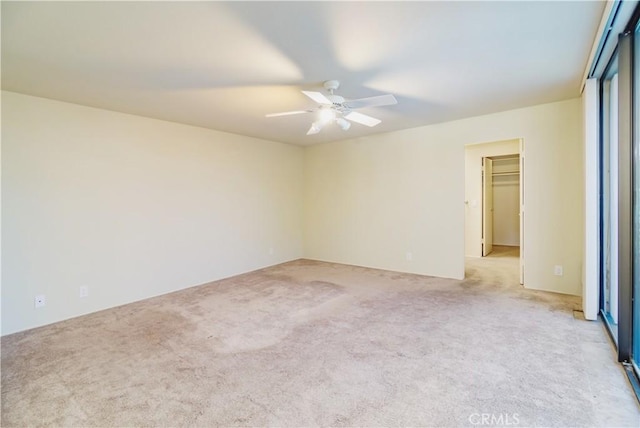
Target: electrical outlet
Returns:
[39, 301]
[84, 291]
[271, 251]
[557, 270]
[409, 256]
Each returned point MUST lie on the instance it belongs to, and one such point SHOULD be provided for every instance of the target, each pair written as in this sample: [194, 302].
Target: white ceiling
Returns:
[224, 65]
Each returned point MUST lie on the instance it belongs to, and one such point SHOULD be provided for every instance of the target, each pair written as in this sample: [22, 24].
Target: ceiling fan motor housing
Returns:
[332, 85]
[335, 99]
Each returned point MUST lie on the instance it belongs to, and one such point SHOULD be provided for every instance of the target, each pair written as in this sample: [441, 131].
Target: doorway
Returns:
[500, 203]
[494, 205]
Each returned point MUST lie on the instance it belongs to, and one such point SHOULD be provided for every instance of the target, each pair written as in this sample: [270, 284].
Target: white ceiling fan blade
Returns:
[288, 113]
[362, 119]
[381, 100]
[318, 97]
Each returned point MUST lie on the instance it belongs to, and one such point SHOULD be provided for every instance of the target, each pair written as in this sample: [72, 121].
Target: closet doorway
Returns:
[494, 204]
[500, 202]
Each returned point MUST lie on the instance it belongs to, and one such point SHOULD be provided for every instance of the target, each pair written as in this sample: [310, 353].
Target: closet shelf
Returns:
[507, 173]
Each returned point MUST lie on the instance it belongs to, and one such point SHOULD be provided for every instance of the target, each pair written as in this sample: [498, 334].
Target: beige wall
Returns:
[369, 201]
[133, 207]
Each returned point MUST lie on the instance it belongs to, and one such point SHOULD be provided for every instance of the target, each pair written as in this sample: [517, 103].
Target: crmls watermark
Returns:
[495, 419]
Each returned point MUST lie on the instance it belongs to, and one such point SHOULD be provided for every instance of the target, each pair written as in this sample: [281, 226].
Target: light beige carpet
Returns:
[317, 344]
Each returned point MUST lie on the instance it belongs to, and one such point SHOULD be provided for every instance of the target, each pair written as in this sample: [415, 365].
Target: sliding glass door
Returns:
[635, 210]
[620, 194]
[609, 193]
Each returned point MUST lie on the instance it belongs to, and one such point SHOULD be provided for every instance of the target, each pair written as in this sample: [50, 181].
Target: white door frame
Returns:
[522, 194]
[487, 206]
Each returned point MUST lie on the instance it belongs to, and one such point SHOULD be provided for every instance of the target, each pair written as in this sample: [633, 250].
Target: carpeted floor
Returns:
[315, 344]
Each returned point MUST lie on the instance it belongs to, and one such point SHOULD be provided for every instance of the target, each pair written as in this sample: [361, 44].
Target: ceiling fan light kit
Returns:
[315, 128]
[343, 124]
[326, 115]
[334, 108]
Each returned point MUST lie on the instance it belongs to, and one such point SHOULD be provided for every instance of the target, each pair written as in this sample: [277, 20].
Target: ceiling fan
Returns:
[334, 108]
